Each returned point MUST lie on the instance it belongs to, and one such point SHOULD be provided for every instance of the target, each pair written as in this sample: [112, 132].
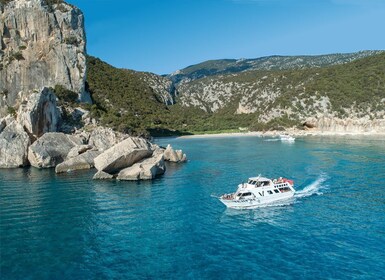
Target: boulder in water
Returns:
[82, 161]
[174, 155]
[123, 154]
[101, 175]
[51, 149]
[14, 143]
[145, 169]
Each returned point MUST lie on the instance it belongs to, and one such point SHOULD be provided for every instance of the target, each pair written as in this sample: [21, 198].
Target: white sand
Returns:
[293, 132]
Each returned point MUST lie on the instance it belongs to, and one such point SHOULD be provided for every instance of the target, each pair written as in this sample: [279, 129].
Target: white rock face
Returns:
[104, 138]
[101, 175]
[174, 155]
[14, 143]
[162, 87]
[82, 161]
[77, 150]
[123, 154]
[41, 45]
[39, 114]
[349, 125]
[51, 149]
[145, 169]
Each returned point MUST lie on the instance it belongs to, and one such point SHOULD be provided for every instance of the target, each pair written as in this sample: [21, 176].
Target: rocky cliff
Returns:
[162, 86]
[42, 44]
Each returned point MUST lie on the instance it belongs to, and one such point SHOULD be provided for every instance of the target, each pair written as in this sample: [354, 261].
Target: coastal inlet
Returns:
[68, 226]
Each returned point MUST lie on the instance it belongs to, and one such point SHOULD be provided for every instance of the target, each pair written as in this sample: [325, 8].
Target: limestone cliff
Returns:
[162, 86]
[41, 45]
[347, 125]
[342, 98]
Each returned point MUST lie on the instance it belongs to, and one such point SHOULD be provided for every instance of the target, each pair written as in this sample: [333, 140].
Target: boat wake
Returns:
[271, 140]
[314, 188]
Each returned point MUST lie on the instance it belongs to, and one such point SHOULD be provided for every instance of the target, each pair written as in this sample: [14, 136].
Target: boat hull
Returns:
[254, 202]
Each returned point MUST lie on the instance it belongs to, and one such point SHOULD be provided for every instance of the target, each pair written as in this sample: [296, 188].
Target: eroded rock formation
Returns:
[123, 154]
[51, 149]
[40, 45]
[39, 113]
[14, 143]
[145, 169]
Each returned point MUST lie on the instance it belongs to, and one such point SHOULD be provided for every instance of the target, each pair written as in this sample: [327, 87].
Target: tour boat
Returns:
[259, 191]
[286, 138]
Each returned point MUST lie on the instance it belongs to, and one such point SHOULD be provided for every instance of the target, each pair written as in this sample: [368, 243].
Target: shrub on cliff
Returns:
[64, 94]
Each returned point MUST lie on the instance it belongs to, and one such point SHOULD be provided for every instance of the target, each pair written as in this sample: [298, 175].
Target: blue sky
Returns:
[162, 36]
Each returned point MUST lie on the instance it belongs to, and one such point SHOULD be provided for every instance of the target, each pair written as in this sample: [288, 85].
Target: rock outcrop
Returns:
[145, 169]
[174, 155]
[41, 45]
[123, 154]
[39, 113]
[14, 143]
[163, 87]
[51, 149]
[81, 161]
[104, 138]
[348, 125]
[77, 150]
[101, 175]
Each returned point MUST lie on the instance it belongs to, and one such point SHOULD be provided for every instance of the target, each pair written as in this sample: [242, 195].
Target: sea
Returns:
[67, 226]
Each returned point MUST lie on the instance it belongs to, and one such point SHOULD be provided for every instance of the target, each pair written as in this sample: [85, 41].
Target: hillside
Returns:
[232, 66]
[134, 102]
[257, 99]
[288, 97]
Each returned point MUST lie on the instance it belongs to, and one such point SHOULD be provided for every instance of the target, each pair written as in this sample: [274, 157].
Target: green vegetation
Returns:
[232, 66]
[11, 111]
[65, 95]
[72, 40]
[17, 55]
[123, 101]
[5, 2]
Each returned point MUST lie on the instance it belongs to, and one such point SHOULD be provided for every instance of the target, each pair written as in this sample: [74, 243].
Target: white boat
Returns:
[259, 191]
[286, 138]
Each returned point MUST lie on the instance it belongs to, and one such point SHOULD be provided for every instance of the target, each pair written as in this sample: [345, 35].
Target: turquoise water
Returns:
[70, 227]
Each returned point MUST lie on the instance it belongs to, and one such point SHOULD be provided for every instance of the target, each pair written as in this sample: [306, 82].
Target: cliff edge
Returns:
[41, 44]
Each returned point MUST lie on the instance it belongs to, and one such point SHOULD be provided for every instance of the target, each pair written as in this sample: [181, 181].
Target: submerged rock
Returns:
[101, 175]
[82, 161]
[146, 169]
[123, 154]
[51, 149]
[14, 143]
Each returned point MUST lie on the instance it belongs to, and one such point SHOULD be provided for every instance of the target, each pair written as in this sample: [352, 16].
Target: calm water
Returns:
[70, 227]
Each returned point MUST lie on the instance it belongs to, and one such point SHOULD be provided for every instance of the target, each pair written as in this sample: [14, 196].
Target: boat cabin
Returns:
[259, 182]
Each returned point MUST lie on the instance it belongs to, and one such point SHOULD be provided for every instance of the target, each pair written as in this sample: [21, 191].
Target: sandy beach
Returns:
[293, 132]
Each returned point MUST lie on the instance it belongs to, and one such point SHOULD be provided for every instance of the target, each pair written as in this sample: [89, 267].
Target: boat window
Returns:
[265, 183]
[276, 191]
[246, 194]
[269, 192]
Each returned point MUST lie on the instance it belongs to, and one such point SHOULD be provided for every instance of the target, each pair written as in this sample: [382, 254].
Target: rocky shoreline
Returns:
[32, 138]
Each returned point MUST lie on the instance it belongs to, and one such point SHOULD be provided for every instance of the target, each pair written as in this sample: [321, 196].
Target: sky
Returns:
[162, 36]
